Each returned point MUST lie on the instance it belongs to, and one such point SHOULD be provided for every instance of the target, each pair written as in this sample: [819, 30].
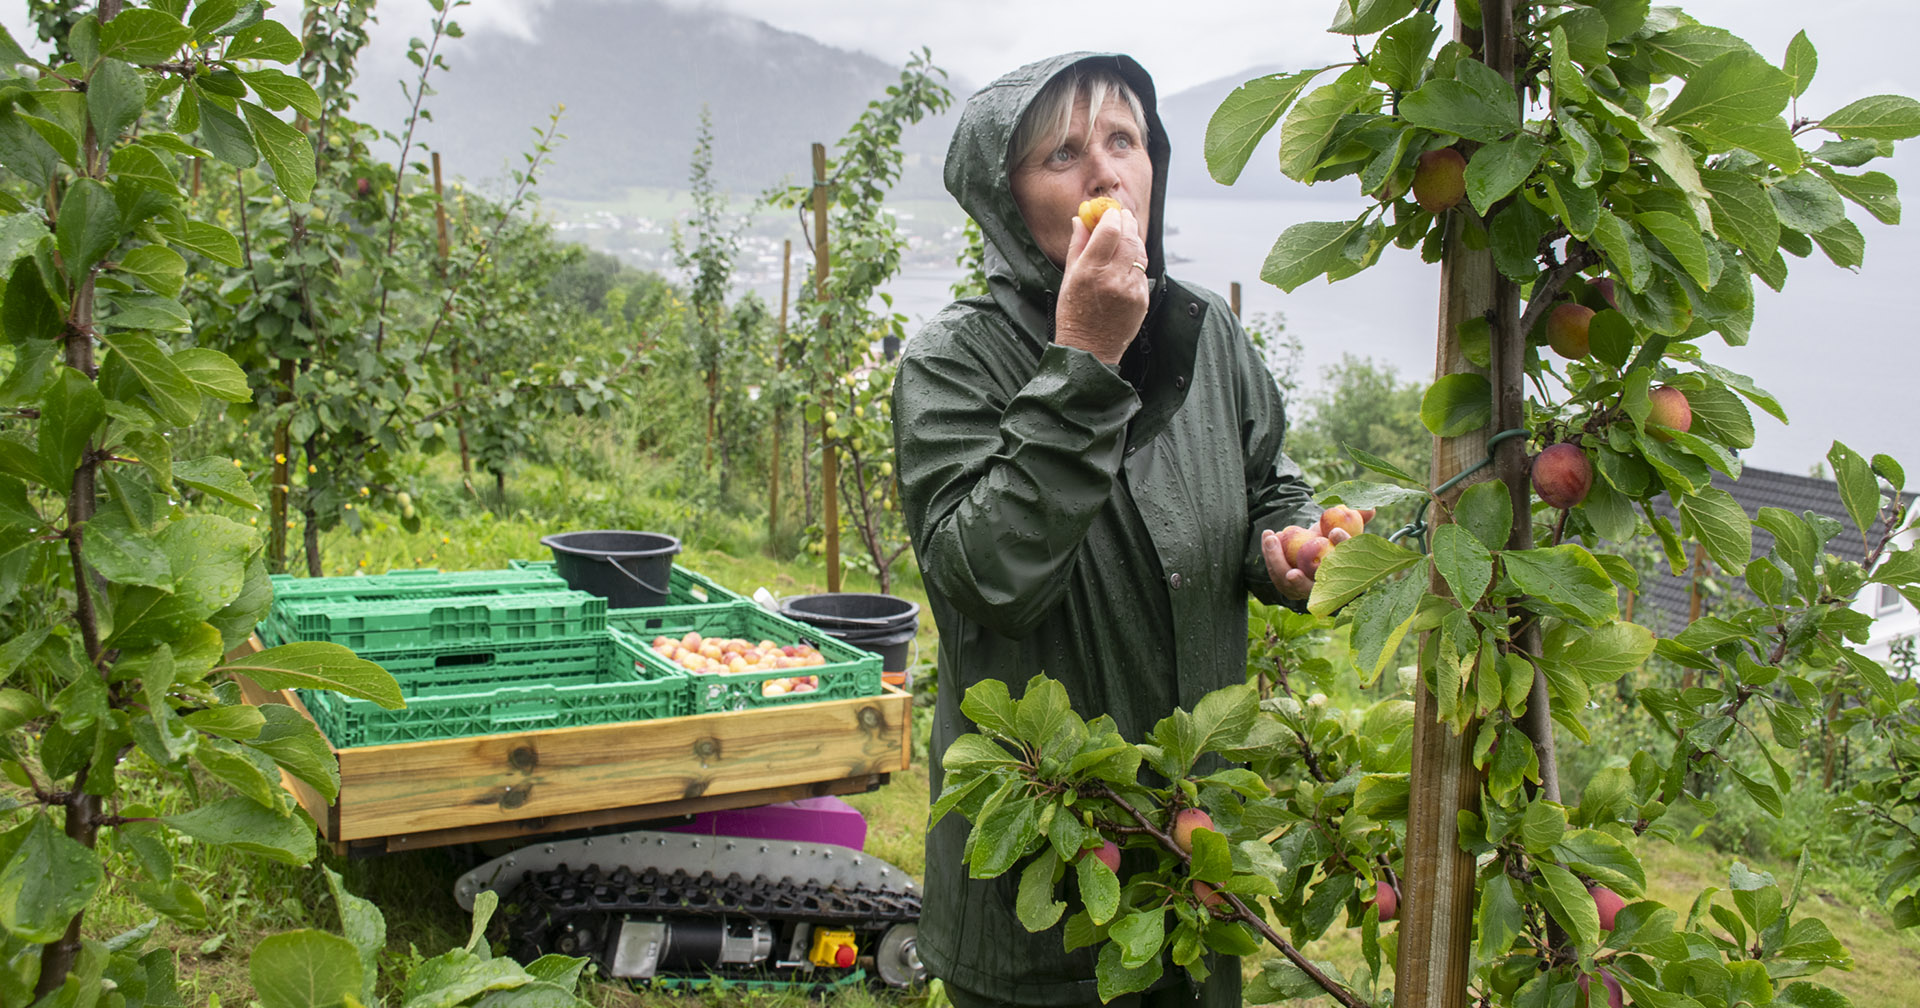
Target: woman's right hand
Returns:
[1105, 295]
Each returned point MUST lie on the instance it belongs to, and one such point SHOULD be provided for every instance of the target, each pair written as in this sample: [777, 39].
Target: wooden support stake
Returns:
[1233, 297]
[829, 458]
[453, 335]
[1436, 929]
[779, 413]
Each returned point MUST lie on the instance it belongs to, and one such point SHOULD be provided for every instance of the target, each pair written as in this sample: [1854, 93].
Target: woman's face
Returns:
[1110, 160]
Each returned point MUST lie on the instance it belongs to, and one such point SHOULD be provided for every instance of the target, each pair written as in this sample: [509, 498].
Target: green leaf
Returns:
[49, 879]
[1686, 49]
[1745, 386]
[1113, 978]
[70, 412]
[1807, 203]
[1682, 240]
[1304, 251]
[1381, 621]
[245, 825]
[1737, 88]
[123, 555]
[1245, 116]
[1457, 403]
[1363, 494]
[1578, 208]
[1099, 888]
[88, 229]
[175, 398]
[1566, 577]
[1567, 900]
[1471, 110]
[286, 149]
[1354, 566]
[1364, 17]
[1712, 516]
[1499, 918]
[10, 52]
[1034, 904]
[1742, 211]
[319, 665]
[1139, 935]
[1843, 243]
[225, 135]
[1801, 62]
[1880, 117]
[278, 90]
[1312, 124]
[1605, 653]
[1670, 153]
[233, 766]
[1401, 52]
[266, 40]
[989, 705]
[218, 477]
[305, 969]
[1486, 510]
[209, 240]
[159, 267]
[1464, 562]
[142, 35]
[1859, 489]
[1625, 252]
[1380, 465]
[214, 373]
[115, 96]
[1875, 192]
[1603, 858]
[1771, 141]
[1498, 168]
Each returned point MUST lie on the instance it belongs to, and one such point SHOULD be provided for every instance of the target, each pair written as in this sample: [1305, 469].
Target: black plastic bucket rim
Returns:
[796, 607]
[582, 546]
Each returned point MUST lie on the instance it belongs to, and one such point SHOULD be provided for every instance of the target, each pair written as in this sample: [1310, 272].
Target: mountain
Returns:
[634, 77]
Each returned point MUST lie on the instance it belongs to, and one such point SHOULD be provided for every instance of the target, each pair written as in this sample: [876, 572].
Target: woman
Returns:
[1090, 459]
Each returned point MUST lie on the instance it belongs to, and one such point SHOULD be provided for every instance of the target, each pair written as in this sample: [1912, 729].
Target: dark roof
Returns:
[1663, 602]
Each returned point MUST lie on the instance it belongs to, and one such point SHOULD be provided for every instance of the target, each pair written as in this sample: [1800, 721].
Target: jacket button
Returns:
[1193, 309]
[1174, 580]
[1179, 381]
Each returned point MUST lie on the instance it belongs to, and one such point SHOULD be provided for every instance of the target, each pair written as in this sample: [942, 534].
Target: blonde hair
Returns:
[1050, 118]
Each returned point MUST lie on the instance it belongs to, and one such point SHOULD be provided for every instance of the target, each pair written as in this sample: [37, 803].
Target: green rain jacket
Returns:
[1099, 525]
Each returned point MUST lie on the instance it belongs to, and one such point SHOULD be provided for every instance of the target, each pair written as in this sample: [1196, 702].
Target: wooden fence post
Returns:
[829, 459]
[779, 413]
[1436, 928]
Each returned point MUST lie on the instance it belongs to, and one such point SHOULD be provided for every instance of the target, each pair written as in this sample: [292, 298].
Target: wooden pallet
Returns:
[410, 795]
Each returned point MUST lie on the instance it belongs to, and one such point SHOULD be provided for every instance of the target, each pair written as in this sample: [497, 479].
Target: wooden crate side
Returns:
[418, 787]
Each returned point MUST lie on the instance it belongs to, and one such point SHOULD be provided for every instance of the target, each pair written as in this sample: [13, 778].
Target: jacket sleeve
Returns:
[1001, 482]
[1277, 493]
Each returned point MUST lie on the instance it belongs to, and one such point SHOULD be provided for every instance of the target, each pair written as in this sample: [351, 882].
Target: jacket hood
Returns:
[978, 177]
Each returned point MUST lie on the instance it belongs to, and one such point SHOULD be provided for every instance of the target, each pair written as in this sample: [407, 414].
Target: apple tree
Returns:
[1600, 183]
[123, 585]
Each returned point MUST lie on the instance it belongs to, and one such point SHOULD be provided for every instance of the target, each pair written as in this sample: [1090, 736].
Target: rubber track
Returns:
[543, 900]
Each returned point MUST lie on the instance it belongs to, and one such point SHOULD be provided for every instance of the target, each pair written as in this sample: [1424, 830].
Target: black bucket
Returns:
[882, 624]
[628, 569]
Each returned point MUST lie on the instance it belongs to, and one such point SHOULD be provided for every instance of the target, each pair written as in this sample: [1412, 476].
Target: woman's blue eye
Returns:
[1122, 140]
[1060, 154]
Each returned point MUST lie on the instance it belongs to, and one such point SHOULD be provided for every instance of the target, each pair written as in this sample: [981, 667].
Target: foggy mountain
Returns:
[633, 77]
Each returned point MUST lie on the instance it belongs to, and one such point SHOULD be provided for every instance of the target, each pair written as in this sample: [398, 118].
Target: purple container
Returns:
[809, 820]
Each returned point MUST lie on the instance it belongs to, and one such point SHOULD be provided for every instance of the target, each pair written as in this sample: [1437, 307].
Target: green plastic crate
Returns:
[483, 661]
[433, 622]
[426, 582]
[849, 671]
[466, 700]
[684, 586]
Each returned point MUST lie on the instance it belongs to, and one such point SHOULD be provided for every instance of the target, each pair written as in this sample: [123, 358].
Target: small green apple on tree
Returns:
[1628, 172]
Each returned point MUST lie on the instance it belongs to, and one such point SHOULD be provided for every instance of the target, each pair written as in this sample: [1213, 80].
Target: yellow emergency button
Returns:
[833, 948]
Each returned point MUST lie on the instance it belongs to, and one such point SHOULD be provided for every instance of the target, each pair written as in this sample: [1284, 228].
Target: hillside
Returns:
[633, 77]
